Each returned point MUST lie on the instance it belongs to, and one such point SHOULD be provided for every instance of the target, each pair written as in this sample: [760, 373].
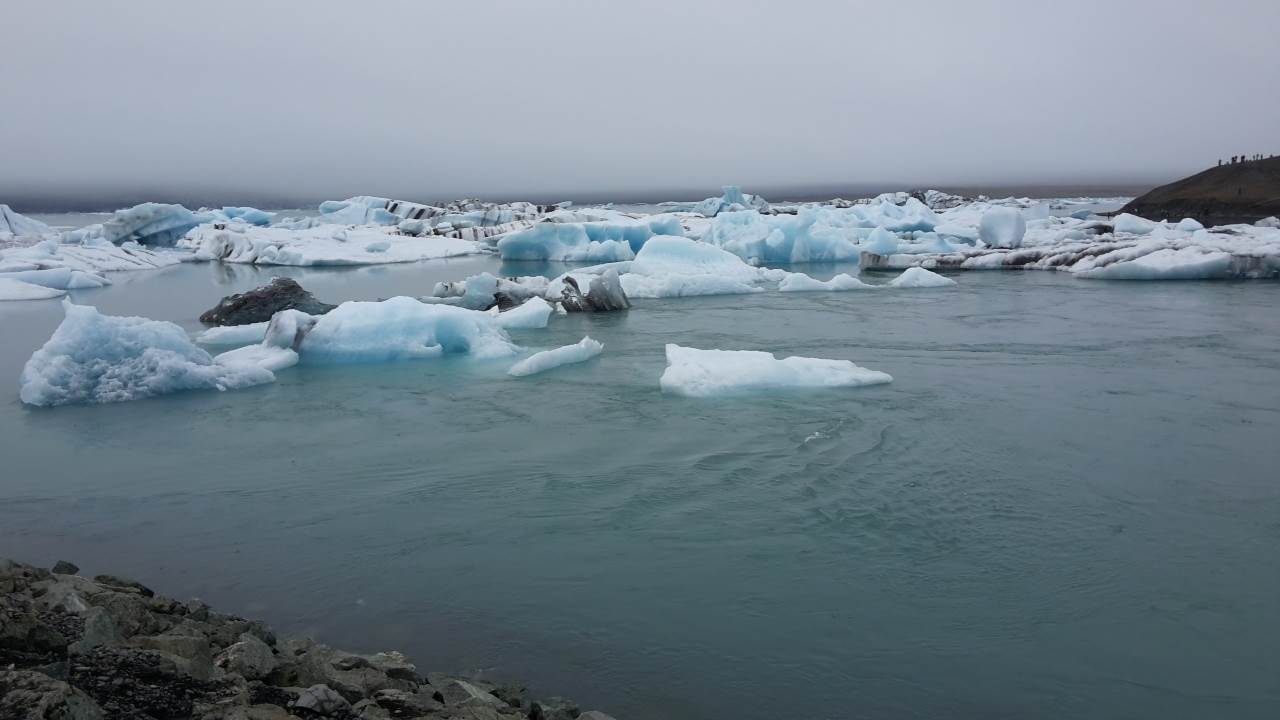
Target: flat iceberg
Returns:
[319, 245]
[402, 328]
[581, 351]
[918, 277]
[96, 358]
[91, 255]
[234, 334]
[799, 282]
[708, 373]
[58, 278]
[11, 289]
[1189, 263]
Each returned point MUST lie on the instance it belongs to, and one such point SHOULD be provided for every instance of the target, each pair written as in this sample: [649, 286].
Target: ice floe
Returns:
[402, 328]
[11, 289]
[581, 351]
[800, 282]
[918, 277]
[319, 245]
[96, 358]
[707, 373]
[532, 314]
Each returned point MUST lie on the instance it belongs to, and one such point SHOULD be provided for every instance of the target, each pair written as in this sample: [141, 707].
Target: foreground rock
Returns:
[78, 649]
[259, 304]
[1241, 192]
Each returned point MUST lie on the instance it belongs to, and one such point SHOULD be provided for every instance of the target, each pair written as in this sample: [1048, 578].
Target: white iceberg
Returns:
[1188, 263]
[319, 245]
[581, 351]
[16, 224]
[1002, 227]
[1134, 225]
[708, 373]
[402, 328]
[63, 278]
[11, 289]
[234, 334]
[732, 199]
[96, 358]
[532, 314]
[800, 282]
[918, 277]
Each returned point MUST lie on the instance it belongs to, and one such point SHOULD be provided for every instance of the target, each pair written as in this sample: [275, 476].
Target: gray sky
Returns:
[429, 100]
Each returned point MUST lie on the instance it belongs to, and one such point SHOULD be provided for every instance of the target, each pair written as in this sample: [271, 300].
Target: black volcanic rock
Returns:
[1242, 192]
[259, 304]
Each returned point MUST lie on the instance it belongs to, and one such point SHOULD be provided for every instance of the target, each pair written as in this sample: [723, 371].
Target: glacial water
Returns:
[1065, 505]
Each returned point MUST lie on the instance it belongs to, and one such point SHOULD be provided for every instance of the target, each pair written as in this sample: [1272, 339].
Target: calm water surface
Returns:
[1066, 505]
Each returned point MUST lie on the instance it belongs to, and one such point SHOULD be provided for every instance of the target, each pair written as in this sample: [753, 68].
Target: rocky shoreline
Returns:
[74, 648]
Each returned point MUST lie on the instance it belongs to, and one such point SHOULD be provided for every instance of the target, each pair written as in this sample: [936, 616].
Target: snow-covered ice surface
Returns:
[96, 358]
[319, 245]
[581, 351]
[708, 373]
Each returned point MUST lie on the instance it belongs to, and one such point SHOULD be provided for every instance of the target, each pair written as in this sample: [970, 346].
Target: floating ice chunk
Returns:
[402, 328]
[1002, 227]
[583, 350]
[880, 242]
[362, 210]
[1188, 263]
[799, 282]
[287, 328]
[1268, 222]
[15, 223]
[58, 278]
[1126, 223]
[918, 277]
[319, 245]
[732, 200]
[155, 224]
[707, 373]
[11, 289]
[96, 358]
[265, 357]
[561, 243]
[234, 334]
[533, 313]
[811, 235]
[675, 286]
[669, 255]
[1189, 225]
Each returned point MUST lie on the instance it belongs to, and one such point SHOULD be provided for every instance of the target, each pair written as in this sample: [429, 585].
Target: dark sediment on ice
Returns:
[259, 304]
[73, 648]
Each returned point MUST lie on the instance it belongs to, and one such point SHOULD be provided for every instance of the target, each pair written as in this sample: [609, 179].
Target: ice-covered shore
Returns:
[83, 648]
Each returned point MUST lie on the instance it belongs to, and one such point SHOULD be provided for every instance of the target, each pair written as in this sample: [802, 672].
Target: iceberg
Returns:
[11, 289]
[583, 350]
[88, 255]
[58, 278]
[1002, 227]
[1134, 225]
[96, 358]
[258, 357]
[402, 328]
[586, 241]
[532, 314]
[812, 235]
[1188, 263]
[918, 277]
[708, 373]
[154, 224]
[234, 334]
[16, 224]
[319, 245]
[800, 282]
[732, 200]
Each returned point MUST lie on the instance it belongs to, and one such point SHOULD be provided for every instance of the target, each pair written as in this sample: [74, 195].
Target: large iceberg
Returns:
[155, 224]
[13, 223]
[402, 328]
[96, 358]
[708, 373]
[1002, 227]
[319, 245]
[586, 241]
[581, 351]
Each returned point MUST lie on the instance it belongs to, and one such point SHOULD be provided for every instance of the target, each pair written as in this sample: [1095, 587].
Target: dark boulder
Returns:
[259, 304]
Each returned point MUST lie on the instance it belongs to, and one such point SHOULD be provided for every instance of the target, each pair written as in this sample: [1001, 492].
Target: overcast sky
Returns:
[431, 100]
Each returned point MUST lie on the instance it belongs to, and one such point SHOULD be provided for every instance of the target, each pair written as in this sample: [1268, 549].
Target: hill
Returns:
[1233, 193]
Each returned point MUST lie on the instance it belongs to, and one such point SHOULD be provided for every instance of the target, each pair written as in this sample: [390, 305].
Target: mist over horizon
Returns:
[563, 99]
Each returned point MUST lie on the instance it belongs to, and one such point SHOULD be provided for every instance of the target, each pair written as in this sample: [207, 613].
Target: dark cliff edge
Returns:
[1242, 192]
